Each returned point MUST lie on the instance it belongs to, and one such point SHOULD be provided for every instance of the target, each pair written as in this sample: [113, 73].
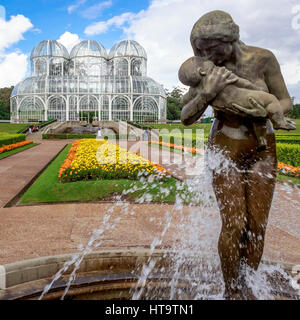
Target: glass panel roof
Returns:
[49, 48]
[98, 85]
[89, 48]
[127, 48]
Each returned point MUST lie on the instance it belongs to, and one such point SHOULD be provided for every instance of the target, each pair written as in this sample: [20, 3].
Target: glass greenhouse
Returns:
[88, 83]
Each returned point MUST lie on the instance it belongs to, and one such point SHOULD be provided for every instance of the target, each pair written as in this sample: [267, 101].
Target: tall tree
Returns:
[174, 105]
[5, 94]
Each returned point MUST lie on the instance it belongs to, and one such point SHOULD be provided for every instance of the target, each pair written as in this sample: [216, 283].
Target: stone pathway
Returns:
[39, 231]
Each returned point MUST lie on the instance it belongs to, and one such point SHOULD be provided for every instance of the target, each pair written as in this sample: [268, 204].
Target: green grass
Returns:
[297, 131]
[13, 127]
[178, 126]
[290, 180]
[47, 188]
[12, 152]
[178, 151]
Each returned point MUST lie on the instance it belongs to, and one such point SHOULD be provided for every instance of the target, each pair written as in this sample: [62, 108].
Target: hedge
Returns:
[288, 153]
[68, 136]
[80, 136]
[292, 139]
[7, 139]
[139, 126]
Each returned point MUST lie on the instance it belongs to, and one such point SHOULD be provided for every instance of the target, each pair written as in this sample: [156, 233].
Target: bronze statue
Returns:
[245, 87]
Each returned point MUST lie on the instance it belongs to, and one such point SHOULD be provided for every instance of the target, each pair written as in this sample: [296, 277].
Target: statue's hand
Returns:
[216, 81]
[255, 110]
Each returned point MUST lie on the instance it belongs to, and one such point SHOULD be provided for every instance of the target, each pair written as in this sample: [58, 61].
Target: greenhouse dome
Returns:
[127, 48]
[88, 83]
[88, 48]
[49, 48]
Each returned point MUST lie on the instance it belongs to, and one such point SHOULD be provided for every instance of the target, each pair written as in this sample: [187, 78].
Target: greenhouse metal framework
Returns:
[88, 84]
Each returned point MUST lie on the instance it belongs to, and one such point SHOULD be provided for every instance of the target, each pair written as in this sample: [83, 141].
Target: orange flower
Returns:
[14, 146]
[174, 146]
[70, 158]
[288, 169]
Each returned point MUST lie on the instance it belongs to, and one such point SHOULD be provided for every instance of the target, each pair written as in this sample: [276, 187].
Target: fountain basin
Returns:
[104, 275]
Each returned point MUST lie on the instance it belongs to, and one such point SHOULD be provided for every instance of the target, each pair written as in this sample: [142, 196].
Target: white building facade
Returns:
[88, 83]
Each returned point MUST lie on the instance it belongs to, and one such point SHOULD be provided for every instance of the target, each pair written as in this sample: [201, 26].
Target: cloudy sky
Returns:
[162, 27]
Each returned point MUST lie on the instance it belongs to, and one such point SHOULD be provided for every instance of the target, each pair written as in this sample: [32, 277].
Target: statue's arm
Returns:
[246, 84]
[195, 104]
[197, 99]
[275, 82]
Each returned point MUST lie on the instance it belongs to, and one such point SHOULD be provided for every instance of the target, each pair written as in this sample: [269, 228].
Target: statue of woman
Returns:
[244, 191]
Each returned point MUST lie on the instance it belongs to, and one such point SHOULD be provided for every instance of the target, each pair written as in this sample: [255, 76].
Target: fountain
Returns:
[238, 181]
[187, 269]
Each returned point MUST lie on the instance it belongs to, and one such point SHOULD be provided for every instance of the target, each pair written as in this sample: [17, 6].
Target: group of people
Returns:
[32, 129]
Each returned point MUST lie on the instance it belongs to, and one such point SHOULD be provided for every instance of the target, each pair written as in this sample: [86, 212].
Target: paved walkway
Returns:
[18, 170]
[38, 231]
[35, 231]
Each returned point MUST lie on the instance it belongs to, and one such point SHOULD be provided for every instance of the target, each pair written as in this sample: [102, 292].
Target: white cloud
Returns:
[13, 65]
[76, 5]
[94, 11]
[69, 40]
[103, 26]
[164, 30]
[12, 31]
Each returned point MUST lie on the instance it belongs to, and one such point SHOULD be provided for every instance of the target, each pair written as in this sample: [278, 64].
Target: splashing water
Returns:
[194, 270]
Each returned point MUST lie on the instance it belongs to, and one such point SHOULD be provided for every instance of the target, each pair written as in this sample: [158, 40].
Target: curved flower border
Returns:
[14, 146]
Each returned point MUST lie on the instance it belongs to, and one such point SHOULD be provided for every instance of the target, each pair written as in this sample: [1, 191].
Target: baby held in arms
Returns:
[238, 98]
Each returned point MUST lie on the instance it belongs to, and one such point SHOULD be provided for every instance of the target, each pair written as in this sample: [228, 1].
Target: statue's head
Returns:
[213, 36]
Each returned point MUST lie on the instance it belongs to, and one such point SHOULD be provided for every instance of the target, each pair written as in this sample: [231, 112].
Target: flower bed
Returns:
[174, 146]
[90, 159]
[288, 170]
[283, 168]
[14, 146]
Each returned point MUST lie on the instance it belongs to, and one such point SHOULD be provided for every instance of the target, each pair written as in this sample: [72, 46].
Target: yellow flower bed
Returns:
[91, 159]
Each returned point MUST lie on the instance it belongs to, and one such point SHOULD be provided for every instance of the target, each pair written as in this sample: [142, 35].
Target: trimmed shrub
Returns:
[68, 136]
[289, 153]
[7, 139]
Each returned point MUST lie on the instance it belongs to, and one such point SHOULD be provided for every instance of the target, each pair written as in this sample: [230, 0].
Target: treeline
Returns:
[295, 113]
[174, 106]
[5, 94]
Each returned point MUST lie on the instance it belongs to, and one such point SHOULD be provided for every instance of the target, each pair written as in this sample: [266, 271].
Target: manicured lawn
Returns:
[178, 126]
[13, 127]
[283, 132]
[289, 180]
[47, 188]
[12, 152]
